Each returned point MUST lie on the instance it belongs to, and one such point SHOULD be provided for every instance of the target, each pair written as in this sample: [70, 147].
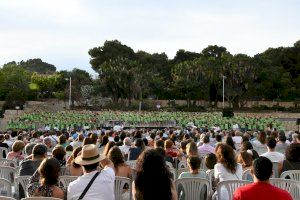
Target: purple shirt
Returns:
[206, 149]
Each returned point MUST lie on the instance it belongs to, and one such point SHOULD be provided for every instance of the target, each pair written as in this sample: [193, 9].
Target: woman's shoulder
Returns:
[58, 192]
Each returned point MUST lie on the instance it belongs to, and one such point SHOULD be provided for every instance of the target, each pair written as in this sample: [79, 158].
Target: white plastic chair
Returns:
[182, 164]
[24, 182]
[120, 182]
[193, 188]
[9, 163]
[291, 174]
[173, 172]
[180, 170]
[230, 186]
[3, 149]
[169, 165]
[66, 180]
[6, 198]
[247, 176]
[40, 198]
[275, 170]
[132, 164]
[291, 186]
[210, 174]
[5, 187]
[8, 173]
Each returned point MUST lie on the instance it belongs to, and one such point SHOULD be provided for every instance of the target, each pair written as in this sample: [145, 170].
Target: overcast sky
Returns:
[61, 32]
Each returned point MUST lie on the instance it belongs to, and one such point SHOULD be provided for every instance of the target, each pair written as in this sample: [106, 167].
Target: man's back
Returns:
[101, 189]
[28, 167]
[261, 191]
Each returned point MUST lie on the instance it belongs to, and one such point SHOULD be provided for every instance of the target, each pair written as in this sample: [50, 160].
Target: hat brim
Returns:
[78, 160]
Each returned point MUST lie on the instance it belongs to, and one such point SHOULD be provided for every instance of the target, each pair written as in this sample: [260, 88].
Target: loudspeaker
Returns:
[228, 112]
[298, 122]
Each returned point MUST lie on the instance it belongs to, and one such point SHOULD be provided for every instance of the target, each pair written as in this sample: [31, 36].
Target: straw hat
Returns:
[89, 155]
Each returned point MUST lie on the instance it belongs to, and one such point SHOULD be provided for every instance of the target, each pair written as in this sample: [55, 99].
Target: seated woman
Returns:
[170, 149]
[245, 159]
[210, 160]
[121, 168]
[247, 146]
[46, 185]
[135, 151]
[72, 168]
[16, 153]
[194, 168]
[152, 171]
[292, 158]
[227, 168]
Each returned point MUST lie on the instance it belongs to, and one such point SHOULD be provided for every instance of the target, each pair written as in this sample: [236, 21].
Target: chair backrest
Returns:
[40, 198]
[169, 165]
[8, 173]
[182, 164]
[247, 176]
[180, 170]
[260, 150]
[210, 174]
[3, 149]
[230, 186]
[6, 198]
[120, 184]
[63, 171]
[275, 170]
[291, 186]
[173, 172]
[132, 164]
[193, 188]
[64, 181]
[6, 162]
[291, 174]
[23, 181]
[5, 187]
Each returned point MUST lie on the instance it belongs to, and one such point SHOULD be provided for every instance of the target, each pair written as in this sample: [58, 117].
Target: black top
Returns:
[2, 144]
[134, 153]
[288, 165]
[28, 167]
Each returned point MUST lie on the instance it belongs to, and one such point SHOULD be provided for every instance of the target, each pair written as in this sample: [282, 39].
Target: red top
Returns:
[261, 191]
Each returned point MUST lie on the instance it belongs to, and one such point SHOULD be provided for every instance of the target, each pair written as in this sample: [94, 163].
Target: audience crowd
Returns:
[98, 156]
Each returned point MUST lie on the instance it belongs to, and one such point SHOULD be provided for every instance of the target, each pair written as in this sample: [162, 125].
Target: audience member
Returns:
[272, 154]
[261, 189]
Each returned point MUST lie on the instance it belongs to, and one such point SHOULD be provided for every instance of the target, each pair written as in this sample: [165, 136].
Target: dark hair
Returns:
[49, 170]
[292, 152]
[261, 137]
[152, 170]
[194, 162]
[122, 136]
[262, 168]
[210, 160]
[152, 136]
[39, 150]
[218, 138]
[145, 141]
[159, 143]
[87, 140]
[91, 167]
[245, 159]
[229, 141]
[104, 140]
[94, 137]
[206, 139]
[69, 148]
[226, 156]
[117, 138]
[116, 156]
[59, 153]
[282, 138]
[108, 146]
[75, 154]
[139, 143]
[271, 143]
[62, 139]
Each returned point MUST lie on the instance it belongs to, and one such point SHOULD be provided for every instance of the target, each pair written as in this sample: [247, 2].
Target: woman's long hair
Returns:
[226, 156]
[153, 180]
[116, 156]
[49, 170]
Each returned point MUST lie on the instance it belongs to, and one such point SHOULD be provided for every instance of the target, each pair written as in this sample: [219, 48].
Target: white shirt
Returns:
[223, 174]
[274, 156]
[101, 189]
[124, 149]
[237, 139]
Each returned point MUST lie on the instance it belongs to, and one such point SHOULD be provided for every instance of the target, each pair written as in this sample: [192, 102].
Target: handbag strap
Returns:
[88, 186]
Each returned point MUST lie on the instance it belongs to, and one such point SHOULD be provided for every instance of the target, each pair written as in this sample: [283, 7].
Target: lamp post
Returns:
[70, 91]
[223, 77]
